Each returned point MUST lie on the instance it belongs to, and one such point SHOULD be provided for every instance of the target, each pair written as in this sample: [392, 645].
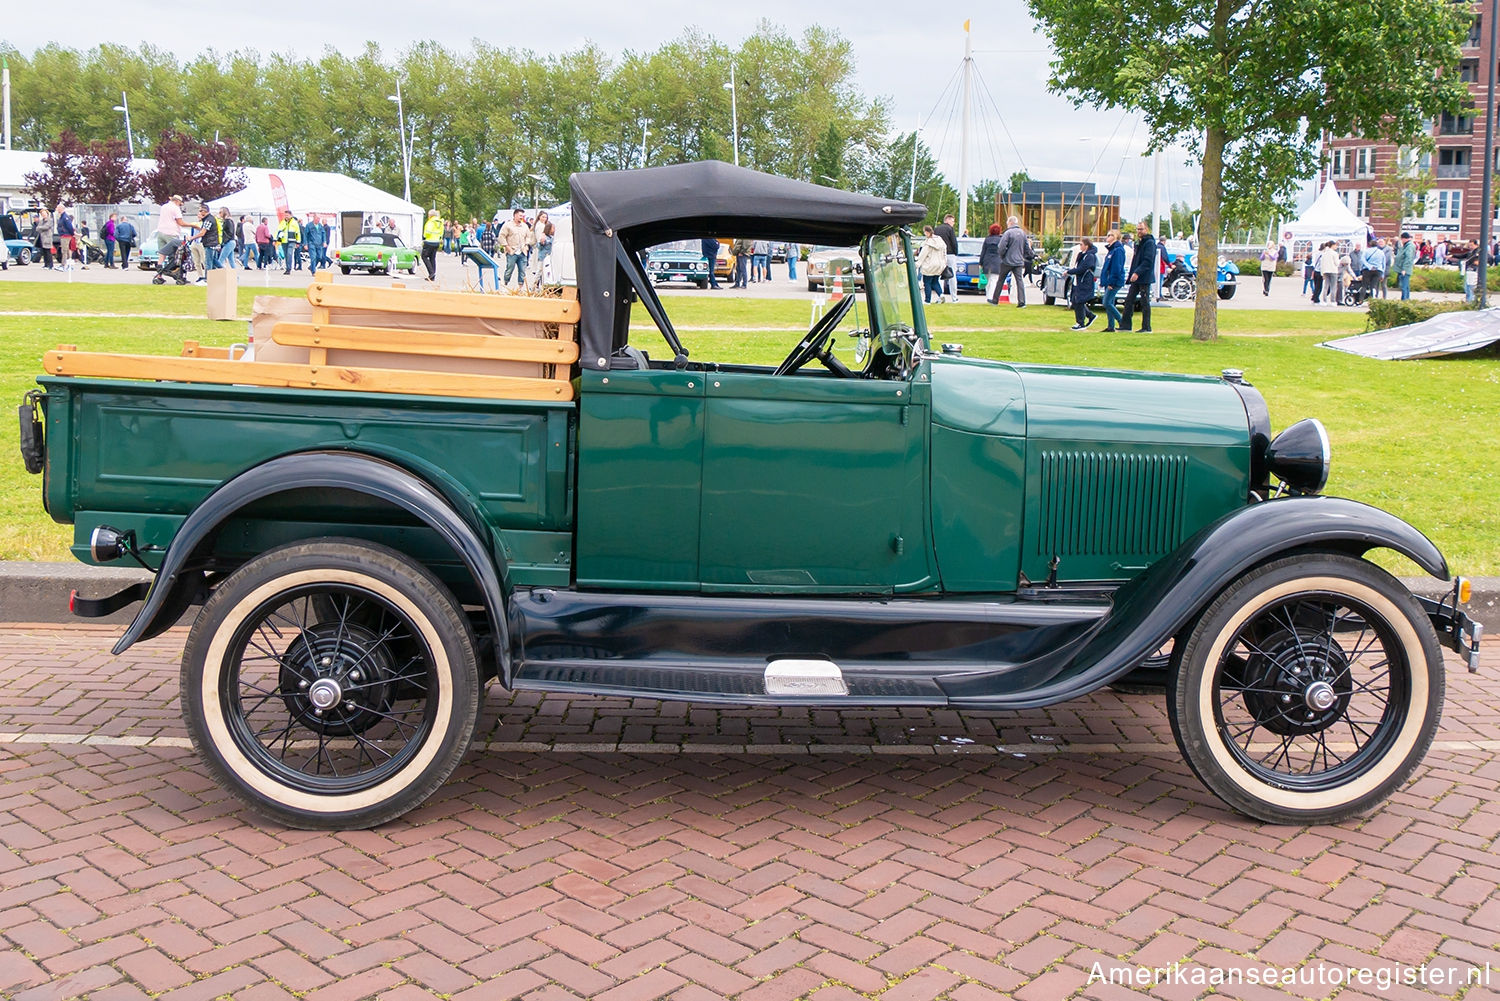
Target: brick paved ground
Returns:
[832, 855]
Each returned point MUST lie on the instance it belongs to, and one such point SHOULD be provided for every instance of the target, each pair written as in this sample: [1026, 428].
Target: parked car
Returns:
[20, 249]
[969, 276]
[843, 261]
[1057, 284]
[910, 528]
[377, 252]
[678, 263]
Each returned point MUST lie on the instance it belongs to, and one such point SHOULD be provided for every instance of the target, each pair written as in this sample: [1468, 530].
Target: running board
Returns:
[786, 681]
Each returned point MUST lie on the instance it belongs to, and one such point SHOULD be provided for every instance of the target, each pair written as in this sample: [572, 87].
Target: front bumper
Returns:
[1455, 629]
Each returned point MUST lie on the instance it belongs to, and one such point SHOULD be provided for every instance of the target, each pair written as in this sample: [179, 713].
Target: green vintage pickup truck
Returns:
[918, 528]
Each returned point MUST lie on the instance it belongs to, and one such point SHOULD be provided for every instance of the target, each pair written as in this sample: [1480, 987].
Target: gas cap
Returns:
[953, 349]
[1233, 375]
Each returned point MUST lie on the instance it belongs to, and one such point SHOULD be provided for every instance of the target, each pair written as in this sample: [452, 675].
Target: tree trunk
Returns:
[1206, 309]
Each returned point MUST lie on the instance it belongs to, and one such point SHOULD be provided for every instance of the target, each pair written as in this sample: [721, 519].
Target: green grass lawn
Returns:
[1412, 437]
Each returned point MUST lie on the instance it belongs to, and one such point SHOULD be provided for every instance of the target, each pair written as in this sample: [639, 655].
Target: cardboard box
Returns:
[223, 294]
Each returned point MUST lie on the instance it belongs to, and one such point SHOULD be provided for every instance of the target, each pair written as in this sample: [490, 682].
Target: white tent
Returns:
[1328, 218]
[324, 194]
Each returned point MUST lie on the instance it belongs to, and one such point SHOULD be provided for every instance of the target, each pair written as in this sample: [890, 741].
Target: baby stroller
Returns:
[177, 268]
[1356, 292]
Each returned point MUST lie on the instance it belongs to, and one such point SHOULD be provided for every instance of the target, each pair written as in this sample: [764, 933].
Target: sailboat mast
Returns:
[963, 156]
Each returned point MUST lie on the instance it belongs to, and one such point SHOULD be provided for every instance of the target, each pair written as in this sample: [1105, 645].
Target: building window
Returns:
[1449, 204]
[1455, 125]
[1358, 202]
[1468, 71]
[1365, 162]
[1453, 163]
[1474, 32]
[1339, 168]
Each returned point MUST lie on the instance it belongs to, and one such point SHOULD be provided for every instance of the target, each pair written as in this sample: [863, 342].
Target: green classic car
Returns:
[379, 253]
[678, 263]
[914, 527]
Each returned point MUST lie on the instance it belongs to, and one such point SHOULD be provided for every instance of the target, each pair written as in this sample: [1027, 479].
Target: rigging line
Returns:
[994, 104]
[1095, 165]
[937, 156]
[1120, 170]
[941, 94]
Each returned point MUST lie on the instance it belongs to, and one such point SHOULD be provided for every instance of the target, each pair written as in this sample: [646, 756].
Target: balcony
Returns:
[1451, 172]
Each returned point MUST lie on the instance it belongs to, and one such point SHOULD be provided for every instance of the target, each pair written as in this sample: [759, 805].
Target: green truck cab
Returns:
[918, 529]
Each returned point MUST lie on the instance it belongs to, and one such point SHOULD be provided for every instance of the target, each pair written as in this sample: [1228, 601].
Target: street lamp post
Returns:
[124, 106]
[645, 131]
[536, 181]
[405, 149]
[734, 113]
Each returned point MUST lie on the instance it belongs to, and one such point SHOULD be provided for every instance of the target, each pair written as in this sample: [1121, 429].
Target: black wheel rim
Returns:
[1311, 691]
[328, 688]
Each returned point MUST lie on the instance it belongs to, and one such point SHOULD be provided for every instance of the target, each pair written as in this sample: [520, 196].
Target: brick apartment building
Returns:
[1367, 174]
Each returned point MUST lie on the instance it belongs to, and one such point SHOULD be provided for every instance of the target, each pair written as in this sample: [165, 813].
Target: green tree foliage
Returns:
[1253, 85]
[828, 159]
[1019, 178]
[885, 171]
[983, 205]
[485, 118]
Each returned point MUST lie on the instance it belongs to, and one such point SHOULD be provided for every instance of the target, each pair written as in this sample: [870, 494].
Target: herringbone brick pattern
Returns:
[557, 871]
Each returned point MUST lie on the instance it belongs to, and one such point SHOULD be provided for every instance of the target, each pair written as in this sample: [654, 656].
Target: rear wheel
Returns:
[24, 256]
[344, 268]
[1227, 291]
[331, 684]
[1308, 691]
[1183, 288]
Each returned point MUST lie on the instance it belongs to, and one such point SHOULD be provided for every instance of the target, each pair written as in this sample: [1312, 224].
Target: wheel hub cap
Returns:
[1320, 696]
[325, 693]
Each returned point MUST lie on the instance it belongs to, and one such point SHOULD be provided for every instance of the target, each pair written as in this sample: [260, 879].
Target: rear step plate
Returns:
[804, 677]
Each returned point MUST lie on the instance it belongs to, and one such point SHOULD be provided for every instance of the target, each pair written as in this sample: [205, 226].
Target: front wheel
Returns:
[1227, 291]
[1308, 691]
[331, 684]
[24, 257]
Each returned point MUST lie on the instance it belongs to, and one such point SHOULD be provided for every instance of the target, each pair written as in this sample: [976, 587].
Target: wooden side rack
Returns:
[532, 361]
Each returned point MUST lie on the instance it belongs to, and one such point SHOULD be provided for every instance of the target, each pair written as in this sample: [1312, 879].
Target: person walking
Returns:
[1083, 272]
[931, 261]
[211, 239]
[125, 240]
[1403, 261]
[1139, 279]
[290, 234]
[1374, 268]
[1267, 268]
[544, 238]
[944, 232]
[989, 264]
[1328, 267]
[1389, 249]
[1015, 260]
[1112, 279]
[316, 238]
[742, 249]
[709, 248]
[1309, 272]
[516, 238]
[432, 241]
[793, 251]
[63, 234]
[262, 244]
[244, 235]
[108, 233]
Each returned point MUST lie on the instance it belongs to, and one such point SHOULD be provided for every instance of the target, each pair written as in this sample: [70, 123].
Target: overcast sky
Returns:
[908, 52]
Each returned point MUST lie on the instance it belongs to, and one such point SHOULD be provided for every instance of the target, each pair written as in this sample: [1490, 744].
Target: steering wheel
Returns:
[814, 344]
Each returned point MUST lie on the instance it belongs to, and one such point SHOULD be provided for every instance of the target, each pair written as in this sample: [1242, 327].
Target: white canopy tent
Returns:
[1327, 218]
[326, 195]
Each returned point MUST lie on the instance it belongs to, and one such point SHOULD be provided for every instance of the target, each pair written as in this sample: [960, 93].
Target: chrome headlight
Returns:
[1300, 456]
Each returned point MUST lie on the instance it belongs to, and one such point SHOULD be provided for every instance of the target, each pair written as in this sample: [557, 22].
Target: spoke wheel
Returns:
[331, 684]
[1308, 691]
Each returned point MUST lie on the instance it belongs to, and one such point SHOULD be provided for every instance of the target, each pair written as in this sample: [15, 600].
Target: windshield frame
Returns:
[913, 286]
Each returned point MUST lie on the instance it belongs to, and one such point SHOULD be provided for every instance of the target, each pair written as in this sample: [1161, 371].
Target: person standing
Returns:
[1405, 259]
[1309, 273]
[228, 239]
[292, 243]
[169, 232]
[1267, 268]
[1083, 271]
[944, 231]
[1015, 260]
[1374, 269]
[709, 248]
[793, 251]
[1328, 267]
[1139, 278]
[245, 237]
[989, 264]
[1388, 246]
[44, 232]
[63, 234]
[544, 237]
[515, 236]
[262, 244]
[432, 241]
[1113, 277]
[108, 233]
[206, 250]
[125, 240]
[931, 261]
[757, 255]
[742, 249]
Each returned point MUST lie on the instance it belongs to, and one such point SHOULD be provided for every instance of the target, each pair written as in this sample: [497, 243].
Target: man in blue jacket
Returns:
[709, 248]
[1140, 278]
[1112, 278]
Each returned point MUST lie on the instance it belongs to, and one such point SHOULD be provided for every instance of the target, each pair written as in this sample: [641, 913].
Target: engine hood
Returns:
[1082, 404]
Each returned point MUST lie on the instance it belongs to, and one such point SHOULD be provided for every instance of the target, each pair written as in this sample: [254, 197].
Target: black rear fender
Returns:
[455, 520]
[1155, 606]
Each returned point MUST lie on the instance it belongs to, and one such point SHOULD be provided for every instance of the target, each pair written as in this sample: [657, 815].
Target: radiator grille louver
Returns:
[1101, 504]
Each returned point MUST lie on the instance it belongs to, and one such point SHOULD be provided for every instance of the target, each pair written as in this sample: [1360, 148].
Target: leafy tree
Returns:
[106, 175]
[1019, 178]
[984, 202]
[1257, 83]
[194, 169]
[828, 160]
[885, 171]
[60, 174]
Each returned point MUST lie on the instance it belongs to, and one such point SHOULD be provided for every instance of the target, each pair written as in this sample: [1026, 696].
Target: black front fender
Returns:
[176, 583]
[1153, 607]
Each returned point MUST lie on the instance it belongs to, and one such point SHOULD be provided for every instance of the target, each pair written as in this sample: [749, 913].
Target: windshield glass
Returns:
[889, 279]
[970, 246]
[376, 240]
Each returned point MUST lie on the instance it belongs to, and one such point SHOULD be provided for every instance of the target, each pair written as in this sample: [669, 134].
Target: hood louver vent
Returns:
[1096, 503]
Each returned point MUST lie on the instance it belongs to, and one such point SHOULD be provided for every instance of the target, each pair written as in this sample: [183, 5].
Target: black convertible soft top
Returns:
[618, 213]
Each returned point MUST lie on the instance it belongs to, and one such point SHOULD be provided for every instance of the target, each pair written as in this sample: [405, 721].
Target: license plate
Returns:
[679, 278]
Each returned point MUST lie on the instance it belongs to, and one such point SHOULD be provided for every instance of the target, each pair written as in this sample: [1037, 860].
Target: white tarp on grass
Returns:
[1444, 334]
